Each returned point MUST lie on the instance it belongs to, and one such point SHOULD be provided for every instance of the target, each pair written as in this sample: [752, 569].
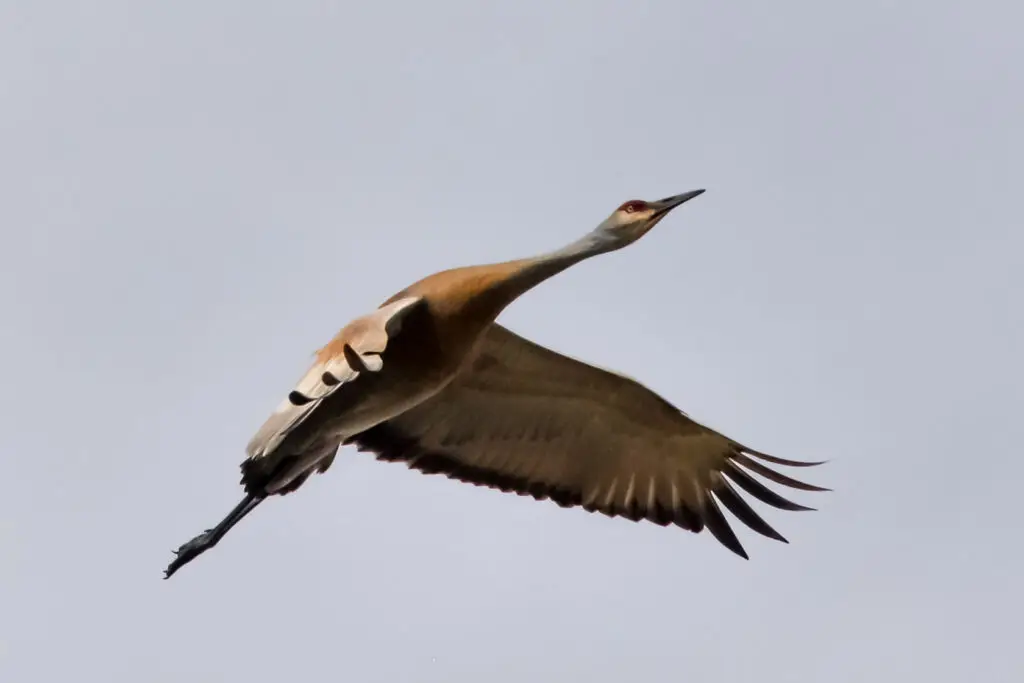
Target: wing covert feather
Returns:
[356, 349]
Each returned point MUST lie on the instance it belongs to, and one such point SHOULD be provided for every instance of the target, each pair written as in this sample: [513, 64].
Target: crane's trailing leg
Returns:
[206, 540]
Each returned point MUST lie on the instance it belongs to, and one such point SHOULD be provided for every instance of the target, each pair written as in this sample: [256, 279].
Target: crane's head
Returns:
[633, 219]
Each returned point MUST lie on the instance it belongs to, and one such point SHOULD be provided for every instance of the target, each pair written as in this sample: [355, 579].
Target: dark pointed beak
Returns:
[663, 206]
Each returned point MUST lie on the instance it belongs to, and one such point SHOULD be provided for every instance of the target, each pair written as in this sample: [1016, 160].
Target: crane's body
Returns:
[405, 382]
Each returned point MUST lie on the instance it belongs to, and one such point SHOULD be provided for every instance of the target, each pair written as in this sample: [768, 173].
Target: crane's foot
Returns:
[206, 540]
[190, 551]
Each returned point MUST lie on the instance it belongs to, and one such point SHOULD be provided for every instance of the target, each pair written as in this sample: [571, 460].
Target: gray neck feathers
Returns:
[541, 268]
[595, 242]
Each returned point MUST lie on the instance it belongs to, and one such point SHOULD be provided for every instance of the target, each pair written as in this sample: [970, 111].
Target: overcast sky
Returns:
[196, 195]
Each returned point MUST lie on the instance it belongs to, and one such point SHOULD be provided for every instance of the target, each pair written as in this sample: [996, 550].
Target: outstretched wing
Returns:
[528, 420]
[355, 350]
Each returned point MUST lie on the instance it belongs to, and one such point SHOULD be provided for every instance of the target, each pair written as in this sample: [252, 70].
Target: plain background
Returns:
[196, 195]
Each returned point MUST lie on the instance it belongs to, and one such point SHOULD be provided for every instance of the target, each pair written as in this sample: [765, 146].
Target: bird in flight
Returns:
[430, 379]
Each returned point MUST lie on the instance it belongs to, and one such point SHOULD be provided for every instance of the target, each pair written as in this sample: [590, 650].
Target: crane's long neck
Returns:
[518, 277]
[540, 268]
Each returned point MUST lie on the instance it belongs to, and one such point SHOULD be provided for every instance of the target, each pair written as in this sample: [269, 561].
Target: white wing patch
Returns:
[365, 340]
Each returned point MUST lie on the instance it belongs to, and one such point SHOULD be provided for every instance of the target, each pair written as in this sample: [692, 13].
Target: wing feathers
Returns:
[524, 419]
[719, 527]
[779, 461]
[759, 490]
[742, 510]
[771, 474]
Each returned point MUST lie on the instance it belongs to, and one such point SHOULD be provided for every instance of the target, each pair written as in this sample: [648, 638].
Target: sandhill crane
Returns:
[430, 379]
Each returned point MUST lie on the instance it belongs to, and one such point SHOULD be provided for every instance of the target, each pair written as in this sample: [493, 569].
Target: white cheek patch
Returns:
[624, 218]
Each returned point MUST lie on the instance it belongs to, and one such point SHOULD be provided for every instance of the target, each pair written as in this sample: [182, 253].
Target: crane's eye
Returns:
[633, 206]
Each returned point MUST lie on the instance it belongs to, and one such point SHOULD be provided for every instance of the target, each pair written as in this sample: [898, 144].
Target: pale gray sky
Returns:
[196, 195]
